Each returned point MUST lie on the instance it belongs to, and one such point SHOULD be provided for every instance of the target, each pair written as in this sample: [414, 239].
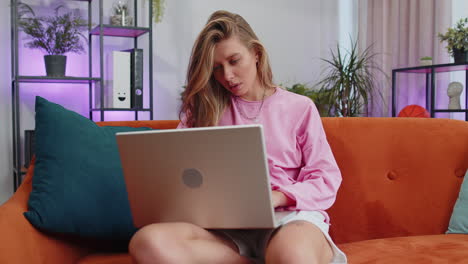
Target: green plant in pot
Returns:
[457, 41]
[425, 61]
[55, 35]
[318, 96]
[349, 81]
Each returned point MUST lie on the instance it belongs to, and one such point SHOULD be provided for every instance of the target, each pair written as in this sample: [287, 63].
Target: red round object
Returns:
[414, 111]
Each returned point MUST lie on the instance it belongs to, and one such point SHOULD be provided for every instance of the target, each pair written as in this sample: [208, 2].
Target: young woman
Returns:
[229, 82]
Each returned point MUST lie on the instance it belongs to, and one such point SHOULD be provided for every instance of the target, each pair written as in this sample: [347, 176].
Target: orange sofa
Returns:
[401, 177]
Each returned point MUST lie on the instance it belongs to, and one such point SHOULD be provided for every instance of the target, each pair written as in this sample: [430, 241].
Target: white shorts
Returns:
[252, 243]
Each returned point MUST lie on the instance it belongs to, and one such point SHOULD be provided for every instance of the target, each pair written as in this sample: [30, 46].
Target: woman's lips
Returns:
[236, 87]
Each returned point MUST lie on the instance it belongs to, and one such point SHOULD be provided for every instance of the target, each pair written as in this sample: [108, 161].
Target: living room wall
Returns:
[6, 181]
[296, 36]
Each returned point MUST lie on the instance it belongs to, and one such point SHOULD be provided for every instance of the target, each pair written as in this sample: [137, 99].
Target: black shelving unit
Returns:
[430, 71]
[101, 31]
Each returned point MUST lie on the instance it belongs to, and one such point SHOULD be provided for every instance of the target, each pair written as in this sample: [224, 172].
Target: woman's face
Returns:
[235, 67]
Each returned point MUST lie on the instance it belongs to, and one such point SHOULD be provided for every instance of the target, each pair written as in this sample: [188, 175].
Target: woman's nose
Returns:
[228, 74]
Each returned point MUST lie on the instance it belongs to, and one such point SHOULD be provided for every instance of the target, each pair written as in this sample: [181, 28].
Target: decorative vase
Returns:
[460, 56]
[116, 20]
[55, 65]
[454, 91]
[425, 62]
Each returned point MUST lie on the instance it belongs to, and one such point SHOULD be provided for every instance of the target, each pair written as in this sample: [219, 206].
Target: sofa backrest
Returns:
[156, 124]
[401, 176]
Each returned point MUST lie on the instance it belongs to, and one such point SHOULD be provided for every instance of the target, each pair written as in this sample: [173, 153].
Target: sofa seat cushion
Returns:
[450, 248]
[120, 258]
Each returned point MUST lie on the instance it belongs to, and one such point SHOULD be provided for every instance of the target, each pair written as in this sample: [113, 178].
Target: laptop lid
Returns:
[214, 177]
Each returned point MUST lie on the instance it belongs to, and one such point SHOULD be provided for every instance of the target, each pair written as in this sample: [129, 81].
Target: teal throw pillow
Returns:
[459, 219]
[78, 186]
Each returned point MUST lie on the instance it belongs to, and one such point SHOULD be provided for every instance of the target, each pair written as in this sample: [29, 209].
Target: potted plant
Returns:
[319, 97]
[55, 35]
[425, 61]
[457, 41]
[349, 81]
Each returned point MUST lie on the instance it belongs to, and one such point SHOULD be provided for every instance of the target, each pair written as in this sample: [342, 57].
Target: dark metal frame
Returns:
[131, 32]
[430, 72]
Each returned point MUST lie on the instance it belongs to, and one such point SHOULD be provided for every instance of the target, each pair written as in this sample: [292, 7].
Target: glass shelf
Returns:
[121, 109]
[430, 88]
[451, 110]
[48, 79]
[437, 68]
[120, 31]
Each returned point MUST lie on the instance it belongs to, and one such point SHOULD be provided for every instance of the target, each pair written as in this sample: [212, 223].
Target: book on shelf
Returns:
[136, 78]
[117, 83]
[124, 84]
[29, 146]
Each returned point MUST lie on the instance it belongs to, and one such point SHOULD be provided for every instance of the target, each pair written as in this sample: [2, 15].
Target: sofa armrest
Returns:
[20, 242]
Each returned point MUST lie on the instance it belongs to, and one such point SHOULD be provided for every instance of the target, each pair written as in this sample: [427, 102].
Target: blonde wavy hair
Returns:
[204, 99]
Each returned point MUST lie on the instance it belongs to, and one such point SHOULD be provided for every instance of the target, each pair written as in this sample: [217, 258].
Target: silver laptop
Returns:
[214, 177]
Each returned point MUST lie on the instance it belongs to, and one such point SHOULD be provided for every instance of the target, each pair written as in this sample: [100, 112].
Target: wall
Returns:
[6, 170]
[296, 34]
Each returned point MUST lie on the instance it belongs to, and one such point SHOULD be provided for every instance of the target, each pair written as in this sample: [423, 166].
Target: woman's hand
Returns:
[280, 199]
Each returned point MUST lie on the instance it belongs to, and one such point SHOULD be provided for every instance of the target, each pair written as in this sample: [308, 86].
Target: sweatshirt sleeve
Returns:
[317, 183]
[182, 123]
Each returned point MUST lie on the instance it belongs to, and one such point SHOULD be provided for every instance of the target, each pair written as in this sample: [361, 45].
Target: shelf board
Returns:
[437, 68]
[122, 109]
[120, 31]
[451, 110]
[48, 79]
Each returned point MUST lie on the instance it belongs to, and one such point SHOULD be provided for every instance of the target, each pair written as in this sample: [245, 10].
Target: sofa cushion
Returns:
[459, 219]
[78, 186]
[413, 249]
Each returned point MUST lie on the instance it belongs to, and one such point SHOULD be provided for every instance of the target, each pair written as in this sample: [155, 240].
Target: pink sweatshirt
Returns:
[300, 160]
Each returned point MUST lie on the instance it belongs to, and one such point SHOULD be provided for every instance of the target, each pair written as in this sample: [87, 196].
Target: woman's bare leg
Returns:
[299, 242]
[182, 243]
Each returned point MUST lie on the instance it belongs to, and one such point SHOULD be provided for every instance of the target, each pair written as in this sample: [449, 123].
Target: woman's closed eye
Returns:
[232, 62]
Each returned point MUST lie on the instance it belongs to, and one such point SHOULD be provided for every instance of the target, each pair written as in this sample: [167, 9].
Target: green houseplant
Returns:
[457, 41]
[55, 35]
[349, 81]
[319, 97]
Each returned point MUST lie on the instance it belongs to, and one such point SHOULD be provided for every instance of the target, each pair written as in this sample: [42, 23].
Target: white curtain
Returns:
[401, 32]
